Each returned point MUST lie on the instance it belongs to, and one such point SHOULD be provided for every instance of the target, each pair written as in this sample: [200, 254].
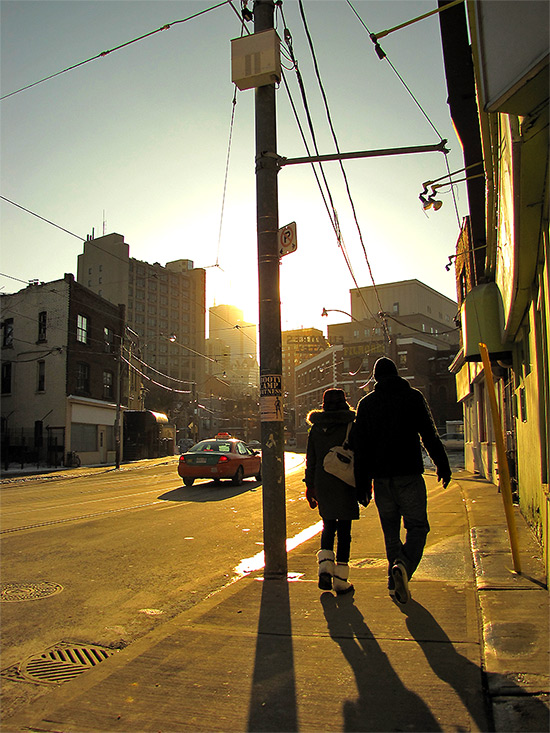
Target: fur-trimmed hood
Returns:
[327, 418]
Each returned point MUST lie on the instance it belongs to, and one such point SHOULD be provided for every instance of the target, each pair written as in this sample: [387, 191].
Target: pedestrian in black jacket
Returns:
[335, 499]
[390, 422]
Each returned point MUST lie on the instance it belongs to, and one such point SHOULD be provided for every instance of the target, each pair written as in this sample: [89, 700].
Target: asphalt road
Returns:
[128, 550]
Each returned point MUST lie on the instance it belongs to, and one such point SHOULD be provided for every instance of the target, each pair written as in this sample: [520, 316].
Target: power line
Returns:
[332, 213]
[383, 55]
[101, 55]
[33, 213]
[101, 249]
[329, 118]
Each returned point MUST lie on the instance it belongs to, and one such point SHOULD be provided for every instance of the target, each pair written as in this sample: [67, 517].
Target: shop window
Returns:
[83, 437]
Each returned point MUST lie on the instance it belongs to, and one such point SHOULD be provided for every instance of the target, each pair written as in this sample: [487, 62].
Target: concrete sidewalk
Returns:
[469, 652]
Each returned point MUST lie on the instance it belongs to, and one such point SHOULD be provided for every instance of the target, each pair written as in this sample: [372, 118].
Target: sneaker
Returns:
[399, 574]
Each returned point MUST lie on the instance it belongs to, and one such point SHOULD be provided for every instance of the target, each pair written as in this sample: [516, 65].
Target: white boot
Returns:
[326, 568]
[341, 575]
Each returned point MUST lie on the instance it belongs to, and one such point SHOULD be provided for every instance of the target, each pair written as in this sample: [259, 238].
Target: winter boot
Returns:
[326, 568]
[341, 575]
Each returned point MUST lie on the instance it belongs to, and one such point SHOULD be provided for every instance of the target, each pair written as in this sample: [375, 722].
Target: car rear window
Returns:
[211, 445]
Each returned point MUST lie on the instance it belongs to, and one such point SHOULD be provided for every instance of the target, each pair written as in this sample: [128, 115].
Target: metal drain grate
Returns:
[15, 592]
[57, 664]
[367, 562]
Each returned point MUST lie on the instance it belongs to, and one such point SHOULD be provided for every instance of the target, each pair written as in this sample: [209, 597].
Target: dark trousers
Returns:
[340, 528]
[403, 497]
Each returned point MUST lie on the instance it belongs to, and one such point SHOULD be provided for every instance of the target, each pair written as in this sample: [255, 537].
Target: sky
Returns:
[137, 142]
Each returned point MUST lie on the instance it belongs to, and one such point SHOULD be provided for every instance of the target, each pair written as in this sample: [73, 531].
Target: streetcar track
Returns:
[83, 516]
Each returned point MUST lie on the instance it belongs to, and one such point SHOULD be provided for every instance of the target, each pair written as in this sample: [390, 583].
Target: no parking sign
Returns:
[287, 239]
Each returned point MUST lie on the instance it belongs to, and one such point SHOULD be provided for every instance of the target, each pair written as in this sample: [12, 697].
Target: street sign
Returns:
[287, 239]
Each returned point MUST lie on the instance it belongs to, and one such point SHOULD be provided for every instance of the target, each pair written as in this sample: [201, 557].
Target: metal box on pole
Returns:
[256, 60]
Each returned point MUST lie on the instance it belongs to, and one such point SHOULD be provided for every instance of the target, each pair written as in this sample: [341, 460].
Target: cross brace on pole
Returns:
[437, 148]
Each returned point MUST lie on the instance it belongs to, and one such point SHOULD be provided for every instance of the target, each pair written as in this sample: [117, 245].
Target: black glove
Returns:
[311, 497]
[363, 494]
[444, 475]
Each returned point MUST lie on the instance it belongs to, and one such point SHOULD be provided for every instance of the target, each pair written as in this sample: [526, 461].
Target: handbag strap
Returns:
[345, 443]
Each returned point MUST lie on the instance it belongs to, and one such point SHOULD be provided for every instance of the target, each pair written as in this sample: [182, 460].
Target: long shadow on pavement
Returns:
[384, 703]
[208, 492]
[273, 694]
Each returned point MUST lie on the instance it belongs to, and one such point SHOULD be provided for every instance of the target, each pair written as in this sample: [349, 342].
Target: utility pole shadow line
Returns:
[273, 704]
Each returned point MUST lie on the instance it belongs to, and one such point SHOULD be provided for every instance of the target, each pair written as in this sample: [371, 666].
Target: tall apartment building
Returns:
[232, 343]
[161, 303]
[298, 346]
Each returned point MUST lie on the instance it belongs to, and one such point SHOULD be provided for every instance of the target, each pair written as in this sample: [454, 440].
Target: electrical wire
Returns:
[342, 168]
[234, 104]
[82, 239]
[383, 55]
[158, 384]
[101, 249]
[331, 210]
[165, 27]
[148, 366]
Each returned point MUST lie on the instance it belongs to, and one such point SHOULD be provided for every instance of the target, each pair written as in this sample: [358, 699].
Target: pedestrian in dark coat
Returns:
[335, 499]
[391, 421]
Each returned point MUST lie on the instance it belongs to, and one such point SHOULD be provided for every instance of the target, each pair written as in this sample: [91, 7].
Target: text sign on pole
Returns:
[287, 239]
[271, 402]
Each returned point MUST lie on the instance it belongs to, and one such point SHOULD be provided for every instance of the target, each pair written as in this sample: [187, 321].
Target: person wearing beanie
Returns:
[335, 499]
[391, 421]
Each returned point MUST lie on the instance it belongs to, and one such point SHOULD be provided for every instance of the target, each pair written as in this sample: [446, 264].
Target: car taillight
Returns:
[223, 459]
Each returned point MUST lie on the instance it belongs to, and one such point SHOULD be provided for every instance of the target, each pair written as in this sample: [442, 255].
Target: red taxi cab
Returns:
[222, 457]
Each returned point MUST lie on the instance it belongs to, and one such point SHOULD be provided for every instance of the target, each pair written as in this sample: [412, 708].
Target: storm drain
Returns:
[15, 592]
[58, 664]
[367, 562]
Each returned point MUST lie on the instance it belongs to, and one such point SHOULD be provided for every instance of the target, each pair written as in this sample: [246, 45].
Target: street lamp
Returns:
[335, 310]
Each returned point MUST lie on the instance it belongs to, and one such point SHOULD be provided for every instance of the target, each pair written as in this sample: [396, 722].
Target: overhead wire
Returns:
[165, 27]
[342, 168]
[383, 55]
[331, 210]
[97, 246]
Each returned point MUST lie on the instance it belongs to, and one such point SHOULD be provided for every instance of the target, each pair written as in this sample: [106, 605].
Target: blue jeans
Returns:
[403, 497]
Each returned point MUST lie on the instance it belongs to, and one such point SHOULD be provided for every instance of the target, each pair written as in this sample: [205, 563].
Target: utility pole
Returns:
[271, 367]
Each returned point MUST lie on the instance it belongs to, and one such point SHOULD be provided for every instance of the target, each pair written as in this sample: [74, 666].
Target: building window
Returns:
[108, 382]
[7, 340]
[83, 437]
[395, 308]
[6, 377]
[41, 376]
[42, 325]
[109, 338]
[83, 377]
[82, 329]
